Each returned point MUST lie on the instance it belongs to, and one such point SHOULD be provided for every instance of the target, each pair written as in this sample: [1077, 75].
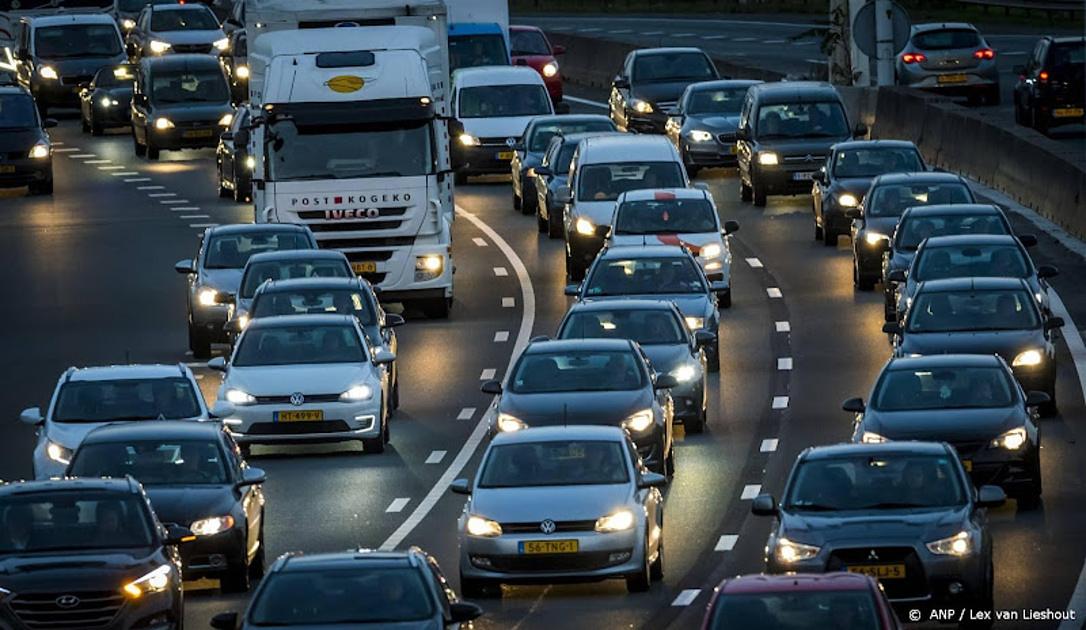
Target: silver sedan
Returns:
[554, 504]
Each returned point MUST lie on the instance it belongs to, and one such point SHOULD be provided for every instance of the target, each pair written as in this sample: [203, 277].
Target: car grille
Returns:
[16, 155]
[588, 561]
[559, 526]
[201, 49]
[663, 106]
[969, 450]
[318, 222]
[76, 80]
[913, 585]
[498, 141]
[297, 428]
[285, 400]
[94, 609]
[726, 138]
[802, 159]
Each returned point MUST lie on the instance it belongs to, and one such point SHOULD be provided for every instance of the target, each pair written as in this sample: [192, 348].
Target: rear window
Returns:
[674, 216]
[127, 399]
[543, 132]
[798, 610]
[913, 230]
[965, 261]
[256, 274]
[232, 251]
[948, 39]
[890, 200]
[605, 182]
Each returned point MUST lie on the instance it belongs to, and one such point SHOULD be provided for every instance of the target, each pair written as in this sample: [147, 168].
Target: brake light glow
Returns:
[913, 57]
[1043, 75]
[984, 53]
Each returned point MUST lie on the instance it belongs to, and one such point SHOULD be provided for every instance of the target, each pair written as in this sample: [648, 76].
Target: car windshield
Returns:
[974, 311]
[299, 345]
[477, 50]
[871, 482]
[648, 276]
[503, 101]
[676, 66]
[192, 19]
[115, 76]
[876, 161]
[573, 463]
[605, 182]
[152, 462]
[80, 520]
[17, 112]
[127, 399]
[947, 39]
[303, 301]
[577, 371]
[362, 594]
[528, 42]
[77, 40]
[666, 216]
[542, 133]
[345, 151]
[796, 610]
[131, 6]
[956, 387]
[890, 200]
[964, 261]
[189, 86]
[914, 229]
[232, 250]
[647, 327]
[260, 272]
[720, 101]
[802, 120]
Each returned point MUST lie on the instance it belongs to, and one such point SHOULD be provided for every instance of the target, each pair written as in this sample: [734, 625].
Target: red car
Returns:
[833, 600]
[530, 47]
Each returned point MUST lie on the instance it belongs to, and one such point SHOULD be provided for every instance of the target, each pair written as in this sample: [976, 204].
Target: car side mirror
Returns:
[394, 320]
[860, 131]
[673, 112]
[1027, 240]
[854, 213]
[222, 409]
[730, 227]
[233, 325]
[562, 108]
[22, 54]
[563, 195]
[665, 381]
[743, 133]
[177, 535]
[491, 387]
[651, 480]
[185, 266]
[84, 85]
[522, 62]
[603, 231]
[1047, 271]
[460, 486]
[572, 290]
[764, 505]
[704, 338]
[463, 612]
[32, 416]
[383, 357]
[897, 275]
[252, 477]
[225, 621]
[1054, 322]
[891, 328]
[621, 83]
[558, 49]
[543, 171]
[991, 496]
[854, 405]
[819, 176]
[217, 363]
[227, 136]
[701, 186]
[1036, 399]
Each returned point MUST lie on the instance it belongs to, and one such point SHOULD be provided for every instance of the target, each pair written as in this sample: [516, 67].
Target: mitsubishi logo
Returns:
[67, 601]
[871, 555]
[297, 399]
[547, 526]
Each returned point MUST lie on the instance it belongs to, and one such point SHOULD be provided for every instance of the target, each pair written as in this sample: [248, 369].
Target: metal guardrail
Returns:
[1045, 6]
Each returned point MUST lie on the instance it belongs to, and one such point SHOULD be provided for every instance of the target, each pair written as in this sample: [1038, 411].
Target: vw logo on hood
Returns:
[547, 526]
[297, 399]
[67, 601]
[510, 142]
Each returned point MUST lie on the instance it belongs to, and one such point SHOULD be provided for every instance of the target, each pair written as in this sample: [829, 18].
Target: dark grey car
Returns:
[703, 124]
[650, 83]
[905, 513]
[552, 174]
[531, 146]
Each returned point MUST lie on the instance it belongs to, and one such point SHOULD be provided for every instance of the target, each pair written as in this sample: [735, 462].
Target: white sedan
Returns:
[304, 379]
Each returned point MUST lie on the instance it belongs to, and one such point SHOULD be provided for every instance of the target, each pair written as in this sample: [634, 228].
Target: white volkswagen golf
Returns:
[303, 379]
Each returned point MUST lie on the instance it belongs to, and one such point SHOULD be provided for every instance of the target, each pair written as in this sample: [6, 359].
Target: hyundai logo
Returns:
[872, 555]
[297, 399]
[547, 526]
[67, 601]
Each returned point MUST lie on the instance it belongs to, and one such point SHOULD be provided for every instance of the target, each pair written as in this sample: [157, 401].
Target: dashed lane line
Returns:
[98, 161]
[150, 187]
[501, 272]
[436, 457]
[397, 505]
[784, 327]
[184, 208]
[769, 445]
[173, 202]
[66, 150]
[501, 336]
[780, 402]
[686, 597]
[479, 242]
[193, 216]
[127, 174]
[774, 292]
[508, 302]
[726, 542]
[488, 374]
[203, 225]
[754, 263]
[113, 167]
[750, 491]
[466, 413]
[784, 363]
[137, 179]
[161, 194]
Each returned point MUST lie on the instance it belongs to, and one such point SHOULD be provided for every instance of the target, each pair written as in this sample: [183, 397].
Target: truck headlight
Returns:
[789, 551]
[483, 527]
[39, 151]
[159, 47]
[250, 162]
[48, 72]
[1011, 440]
[639, 421]
[212, 525]
[468, 140]
[239, 397]
[712, 250]
[618, 521]
[242, 72]
[207, 297]
[695, 323]
[429, 267]
[699, 135]
[58, 453]
[584, 227]
[162, 123]
[874, 238]
[960, 544]
[768, 158]
[847, 200]
[870, 437]
[357, 393]
[1029, 358]
[550, 69]
[684, 373]
[508, 423]
[226, 119]
[154, 582]
[221, 44]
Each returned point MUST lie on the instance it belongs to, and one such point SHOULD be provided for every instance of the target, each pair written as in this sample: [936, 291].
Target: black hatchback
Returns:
[26, 153]
[179, 102]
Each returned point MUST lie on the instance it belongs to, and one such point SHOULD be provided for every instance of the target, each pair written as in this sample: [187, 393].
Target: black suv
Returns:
[82, 554]
[1051, 88]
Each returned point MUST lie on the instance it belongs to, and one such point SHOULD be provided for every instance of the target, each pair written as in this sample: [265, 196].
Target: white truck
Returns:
[351, 139]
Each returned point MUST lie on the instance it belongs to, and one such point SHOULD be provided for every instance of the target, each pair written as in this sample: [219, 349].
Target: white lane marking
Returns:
[712, 37]
[479, 242]
[397, 505]
[686, 597]
[149, 187]
[780, 402]
[436, 457]
[501, 336]
[159, 195]
[646, 33]
[466, 413]
[784, 363]
[97, 161]
[199, 377]
[114, 167]
[501, 272]
[683, 35]
[184, 208]
[589, 30]
[750, 491]
[508, 302]
[126, 174]
[173, 202]
[773, 41]
[203, 225]
[784, 327]
[585, 101]
[755, 263]
[193, 216]
[137, 179]
[82, 156]
[774, 292]
[621, 31]
[527, 320]
[488, 374]
[744, 39]
[1014, 53]
[65, 149]
[818, 61]
[726, 542]
[769, 445]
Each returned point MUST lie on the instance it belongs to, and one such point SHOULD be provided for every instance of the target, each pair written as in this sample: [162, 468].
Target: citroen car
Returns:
[528, 151]
[589, 381]
[561, 504]
[163, 29]
[27, 158]
[1051, 89]
[530, 47]
[215, 273]
[87, 398]
[658, 327]
[550, 176]
[650, 83]
[983, 316]
[105, 101]
[233, 161]
[875, 220]
[77, 551]
[195, 478]
[703, 124]
[305, 379]
[286, 265]
[659, 272]
[179, 102]
[905, 513]
[841, 183]
[949, 58]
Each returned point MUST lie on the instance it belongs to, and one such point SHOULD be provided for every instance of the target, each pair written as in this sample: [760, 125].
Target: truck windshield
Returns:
[347, 151]
[477, 50]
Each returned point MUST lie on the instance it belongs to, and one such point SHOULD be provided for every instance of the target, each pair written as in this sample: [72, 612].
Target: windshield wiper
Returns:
[813, 507]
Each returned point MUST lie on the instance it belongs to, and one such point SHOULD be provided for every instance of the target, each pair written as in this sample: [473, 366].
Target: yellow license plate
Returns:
[967, 464]
[1068, 112]
[549, 546]
[733, 149]
[880, 571]
[299, 416]
[505, 155]
[198, 133]
[7, 168]
[951, 78]
[364, 267]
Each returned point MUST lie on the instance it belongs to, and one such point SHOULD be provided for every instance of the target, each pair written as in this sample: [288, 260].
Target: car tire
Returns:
[859, 281]
[374, 445]
[696, 425]
[541, 224]
[259, 562]
[986, 601]
[199, 343]
[224, 192]
[759, 195]
[692, 171]
[819, 231]
[96, 128]
[437, 308]
[460, 178]
[669, 464]
[1031, 498]
[394, 397]
[1038, 121]
[153, 152]
[41, 188]
[84, 126]
[641, 581]
[656, 569]
[517, 203]
[240, 196]
[829, 237]
[1019, 115]
[713, 357]
[139, 149]
[235, 580]
[554, 225]
[745, 192]
[992, 96]
[472, 588]
[724, 298]
[574, 270]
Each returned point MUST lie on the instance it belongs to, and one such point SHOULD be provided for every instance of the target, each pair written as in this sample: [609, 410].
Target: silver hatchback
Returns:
[950, 58]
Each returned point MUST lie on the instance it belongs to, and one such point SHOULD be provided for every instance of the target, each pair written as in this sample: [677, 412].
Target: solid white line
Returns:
[527, 320]
[726, 542]
[466, 413]
[508, 302]
[501, 272]
[1073, 339]
[589, 30]
[481, 242]
[750, 491]
[774, 292]
[501, 336]
[488, 374]
[780, 402]
[784, 363]
[769, 445]
[203, 225]
[397, 505]
[158, 195]
[137, 179]
[149, 187]
[784, 327]
[755, 263]
[585, 101]
[436, 457]
[193, 216]
[686, 597]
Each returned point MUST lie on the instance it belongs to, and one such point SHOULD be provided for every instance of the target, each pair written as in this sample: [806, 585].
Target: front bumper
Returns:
[1040, 378]
[63, 91]
[709, 154]
[483, 159]
[155, 611]
[204, 135]
[833, 217]
[582, 248]
[211, 319]
[114, 115]
[14, 173]
[869, 256]
[211, 556]
[1014, 471]
[782, 179]
[599, 556]
[689, 398]
[645, 123]
[257, 424]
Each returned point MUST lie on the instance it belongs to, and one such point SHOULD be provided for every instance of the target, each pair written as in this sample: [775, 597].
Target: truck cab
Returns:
[478, 33]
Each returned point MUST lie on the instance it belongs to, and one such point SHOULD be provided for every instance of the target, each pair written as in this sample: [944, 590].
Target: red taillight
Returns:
[913, 57]
[984, 53]
[1043, 75]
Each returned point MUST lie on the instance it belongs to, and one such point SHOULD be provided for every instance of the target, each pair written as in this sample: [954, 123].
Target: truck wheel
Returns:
[437, 308]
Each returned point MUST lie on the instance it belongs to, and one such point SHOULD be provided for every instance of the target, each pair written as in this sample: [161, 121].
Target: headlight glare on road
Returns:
[684, 373]
[1029, 358]
[508, 423]
[638, 422]
[960, 544]
[584, 227]
[874, 238]
[239, 397]
[48, 72]
[550, 69]
[154, 582]
[641, 107]
[694, 323]
[159, 47]
[618, 521]
[212, 525]
[39, 151]
[357, 393]
[712, 250]
[226, 119]
[483, 527]
[207, 297]
[221, 44]
[870, 437]
[768, 158]
[242, 72]
[58, 453]
[163, 123]
[468, 140]
[1011, 440]
[847, 200]
[788, 551]
[700, 135]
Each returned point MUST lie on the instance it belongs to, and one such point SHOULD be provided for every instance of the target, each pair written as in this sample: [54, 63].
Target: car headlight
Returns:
[618, 521]
[357, 393]
[1011, 440]
[699, 135]
[250, 162]
[870, 437]
[789, 551]
[212, 525]
[39, 151]
[242, 72]
[550, 69]
[58, 453]
[584, 226]
[468, 140]
[207, 297]
[159, 47]
[641, 107]
[48, 72]
[960, 544]
[243, 321]
[163, 123]
[684, 373]
[638, 422]
[221, 44]
[106, 101]
[768, 158]
[483, 527]
[508, 423]
[156, 581]
[226, 119]
[712, 250]
[239, 397]
[1028, 358]
[847, 200]
[128, 24]
[874, 238]
[694, 323]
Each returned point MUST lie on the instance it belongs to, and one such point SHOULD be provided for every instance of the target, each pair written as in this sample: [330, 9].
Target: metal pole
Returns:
[884, 42]
[860, 62]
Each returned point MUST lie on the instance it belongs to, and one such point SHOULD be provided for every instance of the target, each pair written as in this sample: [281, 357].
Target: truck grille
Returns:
[92, 609]
[330, 221]
[913, 585]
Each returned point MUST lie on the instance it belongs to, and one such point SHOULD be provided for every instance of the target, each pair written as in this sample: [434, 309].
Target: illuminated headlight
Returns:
[847, 200]
[618, 521]
[429, 267]
[584, 226]
[468, 140]
[1011, 440]
[357, 393]
[695, 323]
[239, 397]
[698, 135]
[212, 525]
[684, 373]
[638, 422]
[874, 238]
[48, 72]
[39, 151]
[960, 544]
[128, 24]
[221, 44]
[788, 551]
[243, 321]
[768, 158]
[159, 47]
[163, 123]
[250, 162]
[58, 453]
[870, 437]
[226, 119]
[156, 581]
[242, 72]
[207, 297]
[483, 527]
[1029, 358]
[1040, 297]
[508, 423]
[642, 107]
[712, 250]
[716, 265]
[550, 70]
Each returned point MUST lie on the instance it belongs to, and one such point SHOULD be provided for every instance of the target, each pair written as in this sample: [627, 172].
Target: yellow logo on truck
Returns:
[345, 84]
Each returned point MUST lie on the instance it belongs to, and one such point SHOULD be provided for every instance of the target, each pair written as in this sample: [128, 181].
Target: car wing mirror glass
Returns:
[1047, 271]
[222, 409]
[991, 496]
[651, 480]
[463, 612]
[897, 275]
[562, 108]
[383, 357]
[252, 477]
[491, 387]
[1054, 322]
[217, 363]
[764, 505]
[176, 535]
[1036, 399]
[854, 405]
[1027, 240]
[665, 381]
[186, 266]
[891, 328]
[32, 416]
[704, 338]
[460, 486]
[621, 83]
[572, 290]
[730, 227]
[558, 49]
